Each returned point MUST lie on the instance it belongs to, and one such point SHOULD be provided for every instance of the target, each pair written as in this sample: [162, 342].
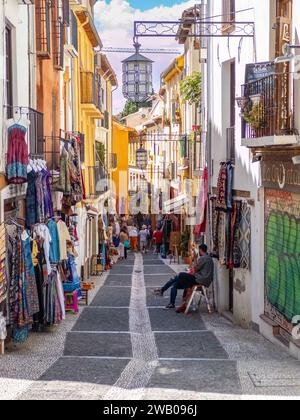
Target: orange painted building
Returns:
[50, 37]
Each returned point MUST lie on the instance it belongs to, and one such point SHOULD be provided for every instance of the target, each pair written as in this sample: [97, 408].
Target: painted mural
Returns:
[282, 254]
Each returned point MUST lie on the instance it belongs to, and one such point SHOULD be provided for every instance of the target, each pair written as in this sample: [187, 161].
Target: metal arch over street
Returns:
[194, 28]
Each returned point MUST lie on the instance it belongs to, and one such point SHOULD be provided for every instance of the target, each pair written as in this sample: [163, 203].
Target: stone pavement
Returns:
[124, 346]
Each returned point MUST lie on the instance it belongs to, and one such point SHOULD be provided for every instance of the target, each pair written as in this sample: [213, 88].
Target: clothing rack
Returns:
[249, 201]
[227, 162]
[23, 110]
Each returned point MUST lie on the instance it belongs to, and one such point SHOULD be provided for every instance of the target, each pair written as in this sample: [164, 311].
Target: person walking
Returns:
[133, 235]
[150, 238]
[158, 239]
[143, 239]
[124, 244]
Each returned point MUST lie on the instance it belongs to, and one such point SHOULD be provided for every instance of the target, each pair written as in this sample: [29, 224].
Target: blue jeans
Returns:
[181, 282]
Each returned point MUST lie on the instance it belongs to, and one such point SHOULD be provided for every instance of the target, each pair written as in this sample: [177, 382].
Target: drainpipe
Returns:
[29, 55]
[86, 20]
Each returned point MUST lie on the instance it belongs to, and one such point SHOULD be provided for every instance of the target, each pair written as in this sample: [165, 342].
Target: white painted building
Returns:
[17, 74]
[240, 293]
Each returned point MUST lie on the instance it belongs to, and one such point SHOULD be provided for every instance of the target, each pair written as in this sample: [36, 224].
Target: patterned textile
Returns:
[214, 222]
[230, 232]
[64, 183]
[31, 200]
[13, 246]
[40, 198]
[48, 204]
[31, 287]
[245, 236]
[222, 238]
[229, 187]
[222, 189]
[236, 238]
[3, 276]
[202, 205]
[17, 154]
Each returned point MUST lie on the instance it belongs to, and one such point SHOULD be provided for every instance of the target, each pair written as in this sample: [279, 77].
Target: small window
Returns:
[228, 15]
[8, 71]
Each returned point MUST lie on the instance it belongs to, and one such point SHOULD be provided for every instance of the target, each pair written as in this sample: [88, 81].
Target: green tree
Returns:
[190, 88]
[130, 108]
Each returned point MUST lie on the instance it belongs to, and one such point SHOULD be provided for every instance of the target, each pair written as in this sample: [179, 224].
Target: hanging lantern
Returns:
[137, 77]
[142, 158]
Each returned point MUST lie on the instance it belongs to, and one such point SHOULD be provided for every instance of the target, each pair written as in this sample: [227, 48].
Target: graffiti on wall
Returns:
[282, 254]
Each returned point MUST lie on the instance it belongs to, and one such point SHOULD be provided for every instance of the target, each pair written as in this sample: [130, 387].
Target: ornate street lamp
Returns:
[137, 76]
[142, 158]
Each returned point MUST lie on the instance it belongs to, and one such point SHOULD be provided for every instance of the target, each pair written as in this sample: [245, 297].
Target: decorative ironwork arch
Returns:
[195, 28]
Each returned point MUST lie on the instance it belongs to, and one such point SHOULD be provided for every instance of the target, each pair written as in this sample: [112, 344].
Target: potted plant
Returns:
[255, 117]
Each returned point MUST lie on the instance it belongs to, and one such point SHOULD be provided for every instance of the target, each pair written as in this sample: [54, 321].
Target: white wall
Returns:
[23, 28]
[248, 285]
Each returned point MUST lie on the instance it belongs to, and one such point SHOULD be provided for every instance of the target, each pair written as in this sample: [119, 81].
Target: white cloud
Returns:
[115, 21]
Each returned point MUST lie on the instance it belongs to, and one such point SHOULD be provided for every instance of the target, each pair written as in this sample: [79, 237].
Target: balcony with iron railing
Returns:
[97, 181]
[91, 92]
[267, 111]
[113, 161]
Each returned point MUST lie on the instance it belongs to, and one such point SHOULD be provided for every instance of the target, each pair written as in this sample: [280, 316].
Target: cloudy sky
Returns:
[115, 24]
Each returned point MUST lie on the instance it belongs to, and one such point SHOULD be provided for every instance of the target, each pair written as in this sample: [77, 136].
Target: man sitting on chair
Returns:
[203, 276]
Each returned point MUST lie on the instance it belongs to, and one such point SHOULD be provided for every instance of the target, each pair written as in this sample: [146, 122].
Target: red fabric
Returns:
[17, 155]
[158, 236]
[202, 203]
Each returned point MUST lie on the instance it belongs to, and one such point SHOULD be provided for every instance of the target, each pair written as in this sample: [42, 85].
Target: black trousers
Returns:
[181, 282]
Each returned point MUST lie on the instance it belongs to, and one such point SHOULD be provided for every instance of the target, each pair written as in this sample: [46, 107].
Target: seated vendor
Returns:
[203, 276]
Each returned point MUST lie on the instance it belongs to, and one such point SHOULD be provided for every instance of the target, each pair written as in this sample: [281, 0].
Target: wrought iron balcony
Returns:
[268, 112]
[58, 45]
[43, 28]
[97, 181]
[91, 89]
[113, 161]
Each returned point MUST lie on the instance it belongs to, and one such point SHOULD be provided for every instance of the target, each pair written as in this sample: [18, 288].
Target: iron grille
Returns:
[36, 132]
[90, 89]
[105, 121]
[114, 161]
[269, 107]
[59, 42]
[43, 24]
[97, 180]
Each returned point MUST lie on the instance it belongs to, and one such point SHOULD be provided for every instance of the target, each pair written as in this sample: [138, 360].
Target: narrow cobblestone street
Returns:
[124, 346]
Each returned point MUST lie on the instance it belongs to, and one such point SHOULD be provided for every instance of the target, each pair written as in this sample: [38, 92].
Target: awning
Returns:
[175, 205]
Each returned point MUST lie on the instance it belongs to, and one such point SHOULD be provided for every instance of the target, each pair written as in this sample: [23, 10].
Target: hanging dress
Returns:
[17, 151]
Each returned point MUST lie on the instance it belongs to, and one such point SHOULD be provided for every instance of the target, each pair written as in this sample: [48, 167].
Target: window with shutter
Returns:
[43, 25]
[228, 16]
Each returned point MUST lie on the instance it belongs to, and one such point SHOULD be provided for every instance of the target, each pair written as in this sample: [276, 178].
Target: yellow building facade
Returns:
[120, 177]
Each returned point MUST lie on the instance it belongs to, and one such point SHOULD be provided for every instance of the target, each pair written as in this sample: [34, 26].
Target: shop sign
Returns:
[282, 175]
